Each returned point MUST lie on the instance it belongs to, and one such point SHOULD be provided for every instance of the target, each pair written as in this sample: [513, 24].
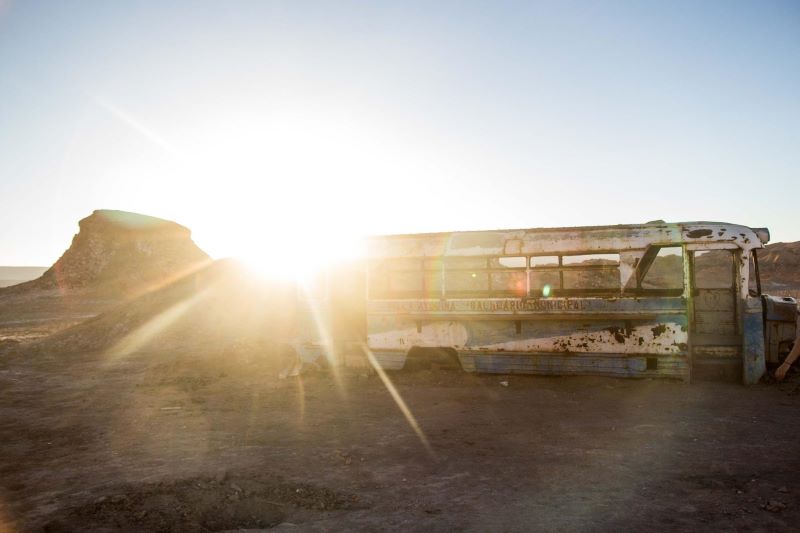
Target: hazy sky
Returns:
[289, 125]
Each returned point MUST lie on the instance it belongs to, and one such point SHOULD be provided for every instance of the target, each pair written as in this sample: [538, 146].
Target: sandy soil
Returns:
[209, 441]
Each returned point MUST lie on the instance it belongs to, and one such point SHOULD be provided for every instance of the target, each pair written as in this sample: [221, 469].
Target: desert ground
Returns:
[210, 440]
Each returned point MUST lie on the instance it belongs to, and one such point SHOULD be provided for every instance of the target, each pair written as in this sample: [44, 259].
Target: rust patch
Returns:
[697, 233]
[658, 330]
[618, 333]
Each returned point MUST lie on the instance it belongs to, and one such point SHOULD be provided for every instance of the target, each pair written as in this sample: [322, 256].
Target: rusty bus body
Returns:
[672, 300]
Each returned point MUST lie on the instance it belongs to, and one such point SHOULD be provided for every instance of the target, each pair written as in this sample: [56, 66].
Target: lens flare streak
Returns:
[401, 404]
[324, 335]
[141, 335]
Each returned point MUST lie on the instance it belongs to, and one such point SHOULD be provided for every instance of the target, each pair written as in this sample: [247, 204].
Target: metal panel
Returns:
[551, 364]
[719, 351]
[754, 366]
[640, 365]
[715, 322]
[389, 360]
[780, 308]
[715, 300]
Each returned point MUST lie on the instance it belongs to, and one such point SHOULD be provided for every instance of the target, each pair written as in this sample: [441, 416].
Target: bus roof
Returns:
[533, 241]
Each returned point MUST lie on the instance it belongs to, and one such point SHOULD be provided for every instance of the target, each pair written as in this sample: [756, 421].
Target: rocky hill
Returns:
[779, 264]
[120, 252]
[115, 256]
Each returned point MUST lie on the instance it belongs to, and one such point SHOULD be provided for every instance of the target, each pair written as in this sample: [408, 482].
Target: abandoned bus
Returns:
[672, 300]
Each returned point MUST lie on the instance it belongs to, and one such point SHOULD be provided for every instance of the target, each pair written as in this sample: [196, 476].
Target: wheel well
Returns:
[419, 357]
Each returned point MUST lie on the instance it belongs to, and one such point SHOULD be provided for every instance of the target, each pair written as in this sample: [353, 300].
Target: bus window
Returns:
[466, 281]
[590, 260]
[405, 282]
[591, 271]
[507, 262]
[713, 269]
[753, 282]
[509, 283]
[662, 270]
[591, 279]
[464, 263]
[396, 278]
[542, 282]
[508, 276]
[544, 261]
[715, 302]
[466, 276]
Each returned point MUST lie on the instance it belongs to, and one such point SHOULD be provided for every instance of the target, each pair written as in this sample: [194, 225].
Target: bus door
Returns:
[715, 337]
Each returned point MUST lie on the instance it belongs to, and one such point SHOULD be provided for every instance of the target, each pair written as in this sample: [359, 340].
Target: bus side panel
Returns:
[665, 335]
[657, 348]
[388, 332]
[567, 364]
[652, 347]
[754, 364]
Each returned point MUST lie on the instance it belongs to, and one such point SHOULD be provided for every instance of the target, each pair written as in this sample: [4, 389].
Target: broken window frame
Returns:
[643, 265]
[563, 267]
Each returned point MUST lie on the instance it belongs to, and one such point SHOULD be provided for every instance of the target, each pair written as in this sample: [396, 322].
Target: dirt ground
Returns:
[211, 441]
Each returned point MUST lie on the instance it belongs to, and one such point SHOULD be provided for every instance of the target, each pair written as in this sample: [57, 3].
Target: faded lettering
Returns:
[490, 306]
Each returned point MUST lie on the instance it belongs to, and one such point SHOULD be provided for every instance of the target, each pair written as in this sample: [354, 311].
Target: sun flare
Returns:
[302, 259]
[279, 208]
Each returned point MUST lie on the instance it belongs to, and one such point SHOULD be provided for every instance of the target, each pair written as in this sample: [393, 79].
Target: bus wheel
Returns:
[441, 358]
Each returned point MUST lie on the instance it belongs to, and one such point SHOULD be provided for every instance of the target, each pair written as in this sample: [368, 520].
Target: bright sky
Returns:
[281, 127]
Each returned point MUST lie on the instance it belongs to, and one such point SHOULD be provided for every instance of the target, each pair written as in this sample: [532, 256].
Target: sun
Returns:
[287, 193]
[291, 267]
[300, 260]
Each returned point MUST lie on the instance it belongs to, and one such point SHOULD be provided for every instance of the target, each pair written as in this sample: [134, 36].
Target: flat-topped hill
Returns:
[115, 255]
[119, 252]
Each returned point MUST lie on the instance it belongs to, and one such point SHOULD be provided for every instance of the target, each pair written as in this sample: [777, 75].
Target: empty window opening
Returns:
[713, 269]
[544, 261]
[660, 268]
